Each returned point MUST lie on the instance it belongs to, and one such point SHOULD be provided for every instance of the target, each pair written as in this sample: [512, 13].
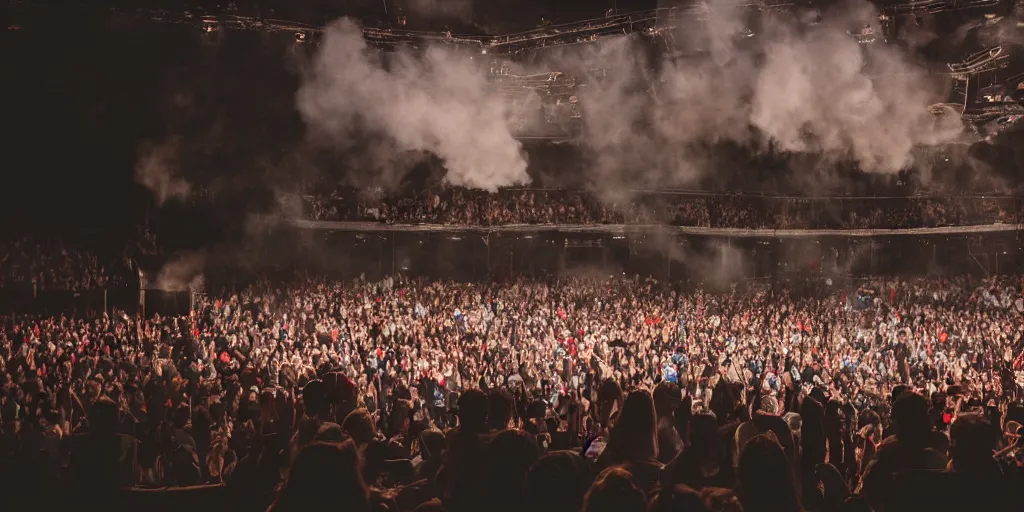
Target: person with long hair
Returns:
[633, 440]
[702, 463]
[667, 400]
[814, 448]
[765, 479]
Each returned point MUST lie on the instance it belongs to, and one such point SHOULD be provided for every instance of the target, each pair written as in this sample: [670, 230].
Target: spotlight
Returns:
[483, 52]
[300, 37]
[209, 24]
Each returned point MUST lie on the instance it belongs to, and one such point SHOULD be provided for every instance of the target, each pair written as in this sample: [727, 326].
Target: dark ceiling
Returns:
[81, 101]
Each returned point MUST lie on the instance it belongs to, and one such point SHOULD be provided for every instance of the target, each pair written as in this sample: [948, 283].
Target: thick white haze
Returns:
[437, 101]
[797, 87]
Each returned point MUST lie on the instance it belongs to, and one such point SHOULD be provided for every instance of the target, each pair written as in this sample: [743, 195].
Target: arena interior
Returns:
[513, 255]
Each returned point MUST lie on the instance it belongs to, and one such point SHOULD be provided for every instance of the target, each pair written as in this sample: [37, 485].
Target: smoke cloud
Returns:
[814, 92]
[182, 272]
[438, 102]
[157, 170]
[777, 82]
[788, 84]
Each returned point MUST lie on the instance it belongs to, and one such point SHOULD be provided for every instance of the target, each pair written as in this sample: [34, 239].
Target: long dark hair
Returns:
[765, 478]
[634, 436]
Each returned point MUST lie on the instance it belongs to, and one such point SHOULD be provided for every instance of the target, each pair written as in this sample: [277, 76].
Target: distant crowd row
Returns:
[460, 206]
[60, 263]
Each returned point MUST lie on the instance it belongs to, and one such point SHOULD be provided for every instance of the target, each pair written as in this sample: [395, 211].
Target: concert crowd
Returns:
[50, 263]
[567, 393]
[460, 206]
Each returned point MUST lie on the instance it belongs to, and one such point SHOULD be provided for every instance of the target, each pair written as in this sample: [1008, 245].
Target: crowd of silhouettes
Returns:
[569, 395]
[469, 207]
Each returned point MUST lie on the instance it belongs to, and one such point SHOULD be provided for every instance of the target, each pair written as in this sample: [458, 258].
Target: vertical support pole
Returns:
[668, 256]
[873, 256]
[380, 257]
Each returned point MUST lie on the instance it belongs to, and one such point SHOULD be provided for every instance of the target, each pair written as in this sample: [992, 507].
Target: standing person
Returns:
[764, 478]
[907, 450]
[327, 477]
[461, 474]
[633, 441]
[102, 461]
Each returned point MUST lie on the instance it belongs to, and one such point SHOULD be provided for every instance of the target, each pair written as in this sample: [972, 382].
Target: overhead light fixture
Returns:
[209, 24]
